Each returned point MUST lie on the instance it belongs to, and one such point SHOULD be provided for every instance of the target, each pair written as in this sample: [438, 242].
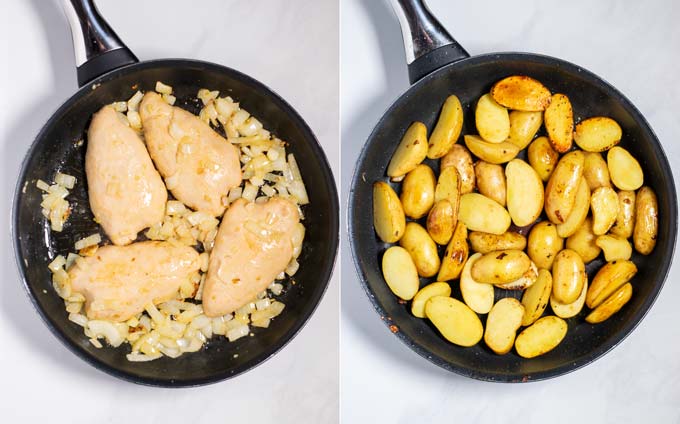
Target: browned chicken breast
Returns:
[118, 281]
[126, 192]
[253, 245]
[199, 166]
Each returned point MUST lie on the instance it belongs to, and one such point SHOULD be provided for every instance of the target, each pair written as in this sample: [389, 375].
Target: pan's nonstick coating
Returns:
[57, 149]
[469, 79]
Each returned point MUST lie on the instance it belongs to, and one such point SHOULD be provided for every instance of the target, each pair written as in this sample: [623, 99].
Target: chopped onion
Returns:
[68, 181]
[133, 102]
[163, 88]
[88, 241]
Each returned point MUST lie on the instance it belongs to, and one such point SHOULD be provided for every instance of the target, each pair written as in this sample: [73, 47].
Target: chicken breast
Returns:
[118, 281]
[198, 164]
[253, 245]
[126, 192]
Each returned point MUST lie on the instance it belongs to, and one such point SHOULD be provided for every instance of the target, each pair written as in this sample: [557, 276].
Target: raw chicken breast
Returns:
[126, 192]
[198, 164]
[253, 245]
[118, 281]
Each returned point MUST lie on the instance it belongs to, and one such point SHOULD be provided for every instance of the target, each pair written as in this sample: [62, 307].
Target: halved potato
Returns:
[491, 152]
[542, 157]
[459, 157]
[400, 272]
[568, 310]
[519, 92]
[597, 134]
[595, 171]
[524, 282]
[524, 192]
[583, 242]
[441, 221]
[579, 212]
[646, 221]
[608, 279]
[492, 119]
[420, 299]
[411, 151]
[543, 244]
[612, 305]
[535, 298]
[541, 337]
[614, 247]
[422, 248]
[478, 296]
[491, 181]
[388, 215]
[559, 123]
[448, 187]
[447, 130]
[624, 169]
[604, 203]
[569, 276]
[479, 213]
[523, 127]
[417, 191]
[485, 242]
[625, 220]
[560, 193]
[455, 320]
[502, 324]
[500, 267]
[456, 254]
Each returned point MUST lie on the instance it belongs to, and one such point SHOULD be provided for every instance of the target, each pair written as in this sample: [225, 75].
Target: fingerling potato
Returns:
[614, 247]
[568, 310]
[417, 191]
[502, 324]
[525, 281]
[583, 242]
[448, 187]
[608, 279]
[604, 203]
[624, 170]
[478, 296]
[524, 192]
[579, 212]
[411, 151]
[441, 221]
[485, 242]
[456, 254]
[535, 298]
[560, 193]
[459, 158]
[519, 92]
[448, 128]
[422, 248]
[569, 276]
[543, 244]
[542, 157]
[595, 171]
[479, 213]
[455, 320]
[491, 181]
[400, 272]
[625, 219]
[388, 215]
[612, 305]
[523, 127]
[420, 299]
[597, 134]
[646, 221]
[500, 267]
[559, 123]
[491, 152]
[492, 120]
[541, 337]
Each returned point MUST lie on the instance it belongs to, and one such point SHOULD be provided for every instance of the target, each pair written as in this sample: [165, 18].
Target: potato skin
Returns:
[560, 193]
[455, 320]
[479, 213]
[625, 219]
[422, 249]
[579, 212]
[646, 221]
[411, 151]
[420, 299]
[491, 152]
[604, 204]
[541, 337]
[559, 123]
[535, 298]
[447, 130]
[608, 279]
[583, 242]
[612, 305]
[542, 157]
[389, 220]
[441, 221]
[595, 171]
[417, 191]
[597, 134]
[478, 296]
[524, 192]
[491, 181]
[456, 254]
[624, 170]
[492, 120]
[459, 157]
[525, 281]
[523, 127]
[400, 272]
[614, 247]
[544, 244]
[568, 310]
[569, 276]
[500, 267]
[448, 187]
[485, 242]
[502, 324]
[519, 92]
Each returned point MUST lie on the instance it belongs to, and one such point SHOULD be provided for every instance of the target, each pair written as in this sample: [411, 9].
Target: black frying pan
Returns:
[438, 67]
[108, 71]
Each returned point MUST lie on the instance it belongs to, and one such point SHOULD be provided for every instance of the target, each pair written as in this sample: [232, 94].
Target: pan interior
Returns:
[469, 79]
[57, 149]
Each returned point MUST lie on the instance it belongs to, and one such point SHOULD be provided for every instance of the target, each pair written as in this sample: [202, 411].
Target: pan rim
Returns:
[579, 362]
[326, 273]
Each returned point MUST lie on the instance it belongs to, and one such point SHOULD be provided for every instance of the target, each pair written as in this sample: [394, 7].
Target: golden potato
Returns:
[492, 119]
[543, 244]
[455, 321]
[646, 221]
[491, 152]
[595, 171]
[624, 170]
[542, 157]
[559, 123]
[500, 267]
[541, 337]
[608, 279]
[485, 242]
[569, 276]
[417, 191]
[524, 282]
[612, 305]
[579, 212]
[583, 242]
[560, 193]
[520, 92]
[502, 324]
[491, 181]
[597, 134]
[459, 157]
[478, 296]
[614, 247]
[523, 127]
[535, 298]
[448, 187]
[625, 220]
[447, 130]
[441, 221]
[524, 192]
[400, 272]
[479, 213]
[604, 203]
[422, 248]
[420, 299]
[411, 151]
[568, 310]
[456, 254]
[388, 215]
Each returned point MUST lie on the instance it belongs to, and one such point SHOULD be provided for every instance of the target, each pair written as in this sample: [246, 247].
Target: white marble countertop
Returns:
[269, 40]
[633, 45]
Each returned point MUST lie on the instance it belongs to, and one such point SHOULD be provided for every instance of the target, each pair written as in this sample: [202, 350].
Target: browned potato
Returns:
[568, 310]
[388, 215]
[595, 171]
[542, 157]
[614, 247]
[535, 298]
[646, 221]
[597, 134]
[459, 158]
[604, 203]
[544, 244]
[447, 130]
[560, 193]
[524, 282]
[441, 221]
[612, 305]
[523, 127]
[502, 324]
[455, 256]
[411, 151]
[486, 242]
[491, 152]
[541, 337]
[500, 267]
[491, 181]
[417, 191]
[520, 92]
[583, 242]
[625, 220]
[608, 279]
[569, 276]
[559, 123]
[492, 119]
[422, 249]
[448, 187]
[579, 212]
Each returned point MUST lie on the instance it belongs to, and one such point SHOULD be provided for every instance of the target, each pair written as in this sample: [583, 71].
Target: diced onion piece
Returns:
[96, 343]
[225, 108]
[263, 323]
[106, 329]
[68, 181]
[169, 99]
[134, 119]
[249, 127]
[175, 207]
[140, 357]
[292, 267]
[172, 181]
[88, 241]
[119, 106]
[79, 319]
[163, 88]
[42, 185]
[276, 288]
[262, 304]
[57, 263]
[74, 307]
[238, 332]
[133, 102]
[268, 190]
[239, 118]
[154, 313]
[249, 192]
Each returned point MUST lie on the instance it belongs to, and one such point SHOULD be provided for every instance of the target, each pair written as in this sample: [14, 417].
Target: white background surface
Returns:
[633, 45]
[292, 47]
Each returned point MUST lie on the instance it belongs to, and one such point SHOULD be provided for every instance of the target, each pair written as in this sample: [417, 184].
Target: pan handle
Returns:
[97, 47]
[427, 43]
